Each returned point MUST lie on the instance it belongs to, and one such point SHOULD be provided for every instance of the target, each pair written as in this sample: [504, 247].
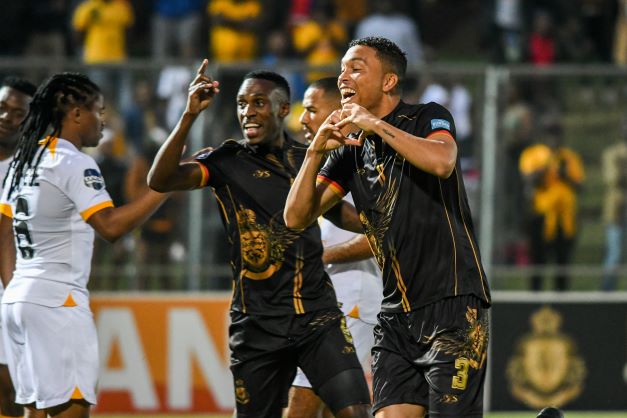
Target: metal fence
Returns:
[491, 106]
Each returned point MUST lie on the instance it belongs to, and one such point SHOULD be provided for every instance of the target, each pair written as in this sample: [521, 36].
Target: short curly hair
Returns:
[387, 51]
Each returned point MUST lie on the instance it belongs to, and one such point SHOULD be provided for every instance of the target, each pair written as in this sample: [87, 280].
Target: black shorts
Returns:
[265, 352]
[434, 356]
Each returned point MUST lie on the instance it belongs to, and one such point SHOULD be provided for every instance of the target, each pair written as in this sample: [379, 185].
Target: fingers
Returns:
[203, 67]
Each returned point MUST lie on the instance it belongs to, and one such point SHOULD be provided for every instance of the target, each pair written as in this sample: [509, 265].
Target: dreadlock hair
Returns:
[54, 98]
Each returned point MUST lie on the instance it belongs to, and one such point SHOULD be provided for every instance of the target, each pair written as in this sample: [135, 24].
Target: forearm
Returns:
[164, 173]
[356, 249]
[112, 223]
[7, 250]
[435, 155]
[345, 216]
[302, 207]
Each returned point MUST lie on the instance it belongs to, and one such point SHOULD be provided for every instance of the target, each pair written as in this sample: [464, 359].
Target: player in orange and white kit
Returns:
[54, 198]
[348, 260]
[15, 96]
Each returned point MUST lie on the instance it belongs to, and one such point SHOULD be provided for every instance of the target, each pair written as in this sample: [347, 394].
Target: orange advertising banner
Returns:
[163, 353]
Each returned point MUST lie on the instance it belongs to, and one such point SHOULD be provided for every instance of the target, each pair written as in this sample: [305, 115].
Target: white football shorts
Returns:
[52, 353]
[363, 340]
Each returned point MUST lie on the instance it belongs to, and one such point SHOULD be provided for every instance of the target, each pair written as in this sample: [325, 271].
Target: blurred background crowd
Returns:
[559, 165]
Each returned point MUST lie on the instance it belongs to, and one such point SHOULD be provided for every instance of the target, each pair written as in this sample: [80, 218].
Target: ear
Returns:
[390, 81]
[75, 115]
[284, 110]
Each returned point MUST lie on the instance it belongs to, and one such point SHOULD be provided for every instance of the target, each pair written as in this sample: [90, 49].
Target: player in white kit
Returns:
[15, 95]
[348, 261]
[53, 200]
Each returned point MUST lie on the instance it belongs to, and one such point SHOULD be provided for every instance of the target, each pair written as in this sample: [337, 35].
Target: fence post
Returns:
[493, 77]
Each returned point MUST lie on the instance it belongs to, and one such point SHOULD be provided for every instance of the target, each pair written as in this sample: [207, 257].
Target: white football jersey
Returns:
[358, 285]
[54, 243]
[4, 168]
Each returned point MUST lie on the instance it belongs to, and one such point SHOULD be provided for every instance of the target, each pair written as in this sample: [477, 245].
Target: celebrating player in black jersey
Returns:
[431, 338]
[284, 312]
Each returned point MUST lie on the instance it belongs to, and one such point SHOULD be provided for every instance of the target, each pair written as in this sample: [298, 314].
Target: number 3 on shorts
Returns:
[461, 379]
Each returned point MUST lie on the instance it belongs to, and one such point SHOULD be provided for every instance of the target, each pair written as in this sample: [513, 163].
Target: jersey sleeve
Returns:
[336, 171]
[85, 186]
[436, 119]
[5, 204]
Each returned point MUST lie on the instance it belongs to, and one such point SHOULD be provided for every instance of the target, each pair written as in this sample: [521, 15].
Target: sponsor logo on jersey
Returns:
[440, 124]
[93, 179]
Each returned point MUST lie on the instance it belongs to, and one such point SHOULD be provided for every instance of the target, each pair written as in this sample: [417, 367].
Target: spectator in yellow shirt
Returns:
[103, 24]
[233, 29]
[552, 174]
[320, 39]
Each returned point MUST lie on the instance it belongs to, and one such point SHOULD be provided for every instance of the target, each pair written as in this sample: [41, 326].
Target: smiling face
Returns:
[361, 78]
[318, 106]
[261, 108]
[92, 122]
[13, 111]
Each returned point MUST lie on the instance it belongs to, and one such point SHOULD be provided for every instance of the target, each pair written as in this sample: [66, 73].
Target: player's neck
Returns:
[387, 104]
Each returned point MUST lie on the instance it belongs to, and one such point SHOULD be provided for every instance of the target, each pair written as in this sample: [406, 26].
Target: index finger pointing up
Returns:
[203, 67]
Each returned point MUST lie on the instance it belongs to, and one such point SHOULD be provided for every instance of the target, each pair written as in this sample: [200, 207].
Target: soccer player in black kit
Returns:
[402, 169]
[284, 312]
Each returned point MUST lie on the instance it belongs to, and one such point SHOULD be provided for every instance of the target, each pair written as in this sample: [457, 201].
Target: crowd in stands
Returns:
[105, 34]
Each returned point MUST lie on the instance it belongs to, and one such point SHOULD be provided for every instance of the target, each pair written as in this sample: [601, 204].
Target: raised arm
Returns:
[306, 200]
[168, 172]
[436, 154]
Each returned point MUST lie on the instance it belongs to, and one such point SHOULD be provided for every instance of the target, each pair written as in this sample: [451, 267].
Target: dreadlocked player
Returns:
[15, 96]
[55, 197]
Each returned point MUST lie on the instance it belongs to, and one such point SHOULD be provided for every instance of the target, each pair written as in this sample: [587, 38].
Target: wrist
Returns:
[315, 154]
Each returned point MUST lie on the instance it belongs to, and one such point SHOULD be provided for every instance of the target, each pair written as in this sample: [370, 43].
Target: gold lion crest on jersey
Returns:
[546, 368]
[262, 246]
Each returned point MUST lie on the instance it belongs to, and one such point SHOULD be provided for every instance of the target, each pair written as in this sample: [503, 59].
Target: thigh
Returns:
[396, 379]
[262, 385]
[328, 358]
[262, 364]
[53, 354]
[363, 339]
[457, 356]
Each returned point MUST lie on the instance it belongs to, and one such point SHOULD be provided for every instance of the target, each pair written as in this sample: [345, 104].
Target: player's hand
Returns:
[201, 90]
[330, 136]
[352, 113]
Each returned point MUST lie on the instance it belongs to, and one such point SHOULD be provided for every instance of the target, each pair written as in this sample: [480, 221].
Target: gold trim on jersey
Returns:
[87, 213]
[375, 230]
[204, 174]
[400, 283]
[298, 285]
[6, 210]
[52, 140]
[222, 207]
[452, 234]
[472, 245]
[335, 187]
[381, 170]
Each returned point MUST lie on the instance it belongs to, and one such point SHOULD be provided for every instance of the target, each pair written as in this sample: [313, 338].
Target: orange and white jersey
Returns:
[4, 168]
[358, 285]
[54, 243]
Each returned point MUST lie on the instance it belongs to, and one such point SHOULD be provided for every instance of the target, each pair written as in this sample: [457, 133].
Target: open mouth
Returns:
[251, 130]
[347, 94]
